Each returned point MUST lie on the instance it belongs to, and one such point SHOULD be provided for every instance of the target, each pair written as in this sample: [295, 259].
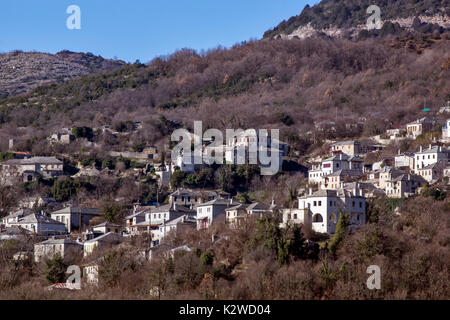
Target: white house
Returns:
[212, 211]
[321, 210]
[429, 156]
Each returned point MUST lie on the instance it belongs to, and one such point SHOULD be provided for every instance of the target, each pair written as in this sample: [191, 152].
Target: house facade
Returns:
[419, 127]
[236, 214]
[104, 241]
[52, 247]
[432, 155]
[350, 148]
[404, 186]
[30, 169]
[212, 211]
[74, 217]
[37, 223]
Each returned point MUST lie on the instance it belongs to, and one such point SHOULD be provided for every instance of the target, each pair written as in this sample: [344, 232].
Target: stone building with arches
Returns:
[321, 210]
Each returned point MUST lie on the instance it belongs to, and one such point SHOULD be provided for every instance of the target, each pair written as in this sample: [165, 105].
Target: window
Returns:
[315, 203]
[360, 204]
[320, 203]
[331, 203]
[317, 218]
[353, 203]
[295, 216]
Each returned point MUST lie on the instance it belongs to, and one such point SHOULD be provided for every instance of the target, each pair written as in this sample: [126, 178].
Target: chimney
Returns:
[421, 149]
[310, 191]
[273, 201]
[360, 192]
[399, 153]
[430, 146]
[11, 144]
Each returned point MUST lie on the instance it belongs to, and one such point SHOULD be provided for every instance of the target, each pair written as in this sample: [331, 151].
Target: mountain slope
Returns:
[334, 17]
[21, 72]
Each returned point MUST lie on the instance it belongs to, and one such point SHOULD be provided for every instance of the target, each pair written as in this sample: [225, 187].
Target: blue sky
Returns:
[138, 29]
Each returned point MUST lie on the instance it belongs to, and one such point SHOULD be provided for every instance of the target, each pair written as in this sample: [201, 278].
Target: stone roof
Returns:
[107, 224]
[340, 156]
[192, 193]
[218, 202]
[341, 143]
[19, 213]
[77, 210]
[59, 241]
[434, 149]
[34, 160]
[107, 237]
[172, 208]
[409, 177]
[37, 218]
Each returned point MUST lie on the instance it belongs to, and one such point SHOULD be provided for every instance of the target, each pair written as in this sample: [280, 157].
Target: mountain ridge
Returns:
[20, 72]
[346, 18]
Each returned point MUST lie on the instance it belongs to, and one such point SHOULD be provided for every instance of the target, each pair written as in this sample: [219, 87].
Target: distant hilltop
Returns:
[20, 72]
[347, 18]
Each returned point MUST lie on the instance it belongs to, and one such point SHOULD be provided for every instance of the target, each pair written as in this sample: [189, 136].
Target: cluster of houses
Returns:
[403, 176]
[339, 183]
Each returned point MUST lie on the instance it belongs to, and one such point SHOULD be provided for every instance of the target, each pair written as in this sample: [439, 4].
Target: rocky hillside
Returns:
[346, 18]
[21, 72]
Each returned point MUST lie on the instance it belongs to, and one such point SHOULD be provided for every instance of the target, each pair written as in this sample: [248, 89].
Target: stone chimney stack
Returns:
[11, 144]
[399, 153]
[429, 146]
[421, 149]
[310, 191]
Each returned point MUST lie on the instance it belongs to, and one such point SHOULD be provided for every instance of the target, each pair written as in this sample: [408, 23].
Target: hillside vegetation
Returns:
[285, 84]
